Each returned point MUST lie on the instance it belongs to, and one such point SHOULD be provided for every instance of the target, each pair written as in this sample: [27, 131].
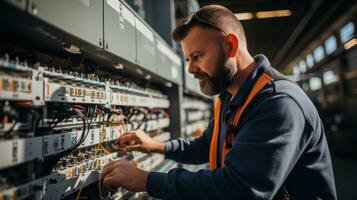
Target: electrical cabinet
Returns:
[169, 64]
[145, 46]
[119, 30]
[81, 18]
[62, 112]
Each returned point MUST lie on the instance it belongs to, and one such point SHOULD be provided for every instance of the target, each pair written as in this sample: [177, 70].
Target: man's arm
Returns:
[189, 150]
[194, 150]
[271, 140]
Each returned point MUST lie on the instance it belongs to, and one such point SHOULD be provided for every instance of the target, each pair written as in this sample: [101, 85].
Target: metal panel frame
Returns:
[119, 30]
[83, 19]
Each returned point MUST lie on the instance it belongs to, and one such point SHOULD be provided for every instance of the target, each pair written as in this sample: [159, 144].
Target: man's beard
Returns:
[220, 79]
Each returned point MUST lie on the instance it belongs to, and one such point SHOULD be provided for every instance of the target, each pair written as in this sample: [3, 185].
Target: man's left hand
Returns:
[121, 173]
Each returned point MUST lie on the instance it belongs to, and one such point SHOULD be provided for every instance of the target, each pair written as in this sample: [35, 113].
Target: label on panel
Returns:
[124, 13]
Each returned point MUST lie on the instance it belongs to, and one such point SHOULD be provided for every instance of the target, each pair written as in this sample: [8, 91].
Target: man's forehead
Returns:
[198, 32]
[196, 39]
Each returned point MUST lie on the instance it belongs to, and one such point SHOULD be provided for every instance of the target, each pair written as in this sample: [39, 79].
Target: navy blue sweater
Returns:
[280, 140]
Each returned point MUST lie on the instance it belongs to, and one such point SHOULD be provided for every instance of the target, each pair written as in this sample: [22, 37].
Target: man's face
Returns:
[208, 61]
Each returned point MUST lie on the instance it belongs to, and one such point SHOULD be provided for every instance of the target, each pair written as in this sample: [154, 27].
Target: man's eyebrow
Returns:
[189, 56]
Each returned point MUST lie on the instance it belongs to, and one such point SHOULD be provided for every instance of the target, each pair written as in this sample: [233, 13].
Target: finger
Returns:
[107, 170]
[121, 149]
[136, 133]
[127, 138]
[130, 148]
[110, 164]
[111, 182]
[131, 132]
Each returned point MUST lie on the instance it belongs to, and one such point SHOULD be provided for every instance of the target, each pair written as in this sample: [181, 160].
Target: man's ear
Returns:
[233, 42]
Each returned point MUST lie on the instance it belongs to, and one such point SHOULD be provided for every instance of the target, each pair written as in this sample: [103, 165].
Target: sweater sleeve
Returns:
[194, 150]
[269, 143]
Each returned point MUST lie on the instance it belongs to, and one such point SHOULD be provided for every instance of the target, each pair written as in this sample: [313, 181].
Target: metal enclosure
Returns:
[145, 46]
[81, 18]
[168, 63]
[119, 30]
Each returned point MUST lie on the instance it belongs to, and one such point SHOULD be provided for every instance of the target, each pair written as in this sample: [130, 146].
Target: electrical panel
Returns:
[145, 46]
[119, 30]
[59, 128]
[169, 64]
[82, 19]
[197, 115]
[66, 96]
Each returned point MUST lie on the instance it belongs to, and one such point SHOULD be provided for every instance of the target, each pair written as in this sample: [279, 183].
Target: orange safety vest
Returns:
[261, 82]
[259, 85]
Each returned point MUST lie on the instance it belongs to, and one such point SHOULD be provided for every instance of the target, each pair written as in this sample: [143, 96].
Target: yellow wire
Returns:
[79, 193]
[95, 156]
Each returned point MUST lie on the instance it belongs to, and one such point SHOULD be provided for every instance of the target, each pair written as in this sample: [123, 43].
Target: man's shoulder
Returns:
[286, 91]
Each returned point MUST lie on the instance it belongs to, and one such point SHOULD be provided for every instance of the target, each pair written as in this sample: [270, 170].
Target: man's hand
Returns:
[138, 140]
[198, 132]
[121, 173]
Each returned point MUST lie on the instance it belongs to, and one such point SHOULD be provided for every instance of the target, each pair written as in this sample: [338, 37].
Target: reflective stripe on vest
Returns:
[261, 82]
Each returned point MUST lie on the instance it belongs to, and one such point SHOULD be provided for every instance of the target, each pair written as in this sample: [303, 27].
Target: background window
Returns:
[347, 32]
[296, 70]
[315, 83]
[319, 54]
[309, 60]
[329, 77]
[302, 66]
[330, 45]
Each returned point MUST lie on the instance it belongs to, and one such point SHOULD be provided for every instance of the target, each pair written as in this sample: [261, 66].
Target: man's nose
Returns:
[192, 68]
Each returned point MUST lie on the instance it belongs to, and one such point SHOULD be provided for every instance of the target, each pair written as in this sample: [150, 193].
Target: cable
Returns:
[8, 133]
[53, 159]
[9, 112]
[102, 137]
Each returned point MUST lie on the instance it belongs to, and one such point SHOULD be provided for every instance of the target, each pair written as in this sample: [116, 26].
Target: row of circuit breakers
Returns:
[58, 129]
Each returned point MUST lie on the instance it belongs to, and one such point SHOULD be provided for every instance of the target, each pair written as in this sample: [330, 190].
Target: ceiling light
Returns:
[274, 13]
[244, 16]
[350, 43]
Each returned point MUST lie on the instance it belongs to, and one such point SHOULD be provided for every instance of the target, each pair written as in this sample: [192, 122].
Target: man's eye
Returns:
[198, 56]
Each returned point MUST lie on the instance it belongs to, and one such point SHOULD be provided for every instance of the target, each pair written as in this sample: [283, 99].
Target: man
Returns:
[266, 140]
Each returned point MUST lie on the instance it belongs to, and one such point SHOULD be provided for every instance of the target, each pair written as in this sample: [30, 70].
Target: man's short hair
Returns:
[213, 17]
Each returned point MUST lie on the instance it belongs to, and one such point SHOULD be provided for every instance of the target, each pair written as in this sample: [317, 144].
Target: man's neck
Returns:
[245, 66]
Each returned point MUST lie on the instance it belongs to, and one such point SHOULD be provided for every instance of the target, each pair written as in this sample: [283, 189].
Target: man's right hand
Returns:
[138, 140]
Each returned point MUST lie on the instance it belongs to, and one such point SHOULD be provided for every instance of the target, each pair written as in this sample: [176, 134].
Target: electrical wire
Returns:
[53, 159]
[11, 110]
[8, 133]
[101, 138]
